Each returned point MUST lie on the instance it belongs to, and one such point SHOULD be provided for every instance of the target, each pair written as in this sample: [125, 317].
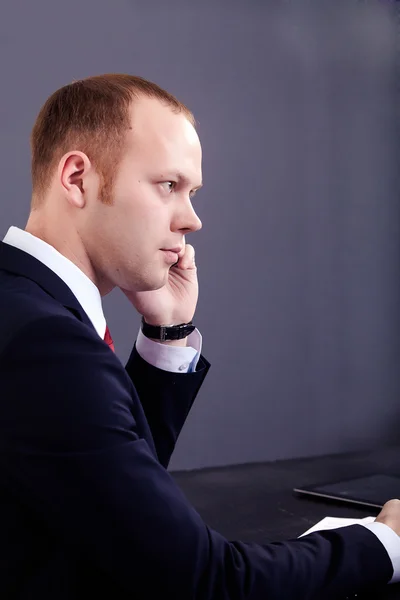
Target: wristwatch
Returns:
[163, 333]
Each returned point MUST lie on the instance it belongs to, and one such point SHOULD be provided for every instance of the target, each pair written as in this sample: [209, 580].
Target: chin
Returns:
[163, 280]
[160, 283]
[153, 284]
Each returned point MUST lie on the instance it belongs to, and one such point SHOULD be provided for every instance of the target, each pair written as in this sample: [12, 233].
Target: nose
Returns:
[188, 221]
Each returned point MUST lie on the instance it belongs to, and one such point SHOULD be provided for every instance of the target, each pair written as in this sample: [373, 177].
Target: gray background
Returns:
[299, 253]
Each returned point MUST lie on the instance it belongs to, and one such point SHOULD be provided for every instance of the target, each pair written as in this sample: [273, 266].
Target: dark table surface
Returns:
[255, 503]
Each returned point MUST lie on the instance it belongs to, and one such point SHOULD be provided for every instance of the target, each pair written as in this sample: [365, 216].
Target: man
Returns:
[88, 507]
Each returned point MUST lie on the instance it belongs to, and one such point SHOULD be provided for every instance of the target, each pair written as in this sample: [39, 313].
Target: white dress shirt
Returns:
[177, 359]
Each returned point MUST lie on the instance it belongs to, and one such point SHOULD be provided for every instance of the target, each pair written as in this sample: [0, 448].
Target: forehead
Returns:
[162, 138]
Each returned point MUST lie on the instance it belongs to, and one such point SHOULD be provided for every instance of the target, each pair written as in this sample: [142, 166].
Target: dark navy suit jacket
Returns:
[87, 506]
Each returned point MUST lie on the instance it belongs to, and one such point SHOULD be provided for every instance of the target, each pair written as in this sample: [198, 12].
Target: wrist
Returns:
[165, 322]
[168, 333]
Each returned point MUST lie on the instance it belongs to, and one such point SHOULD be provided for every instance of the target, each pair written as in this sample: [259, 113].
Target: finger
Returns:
[187, 260]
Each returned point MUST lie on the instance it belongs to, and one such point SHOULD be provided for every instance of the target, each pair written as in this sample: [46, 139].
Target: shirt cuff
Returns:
[391, 542]
[176, 359]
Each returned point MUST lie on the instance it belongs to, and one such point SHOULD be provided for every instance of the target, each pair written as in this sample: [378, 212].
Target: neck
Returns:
[66, 240]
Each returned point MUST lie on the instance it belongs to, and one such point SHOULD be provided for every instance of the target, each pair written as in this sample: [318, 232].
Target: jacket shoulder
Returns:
[22, 303]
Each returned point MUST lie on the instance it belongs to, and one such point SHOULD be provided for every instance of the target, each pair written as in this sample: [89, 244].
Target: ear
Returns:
[73, 171]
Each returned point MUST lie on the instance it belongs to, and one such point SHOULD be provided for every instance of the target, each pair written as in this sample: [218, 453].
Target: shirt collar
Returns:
[80, 285]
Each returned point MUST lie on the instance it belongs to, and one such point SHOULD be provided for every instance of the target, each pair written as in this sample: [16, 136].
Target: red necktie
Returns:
[108, 339]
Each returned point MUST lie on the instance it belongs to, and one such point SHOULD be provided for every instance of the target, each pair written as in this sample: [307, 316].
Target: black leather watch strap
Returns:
[163, 333]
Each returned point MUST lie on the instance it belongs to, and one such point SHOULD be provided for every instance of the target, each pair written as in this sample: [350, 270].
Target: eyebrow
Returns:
[182, 177]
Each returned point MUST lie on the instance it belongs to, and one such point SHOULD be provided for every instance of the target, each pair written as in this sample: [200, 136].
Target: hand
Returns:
[390, 515]
[176, 301]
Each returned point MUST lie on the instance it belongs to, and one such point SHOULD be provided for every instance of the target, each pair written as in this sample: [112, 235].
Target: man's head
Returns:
[115, 163]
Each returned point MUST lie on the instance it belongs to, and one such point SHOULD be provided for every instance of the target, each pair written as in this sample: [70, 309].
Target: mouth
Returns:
[171, 255]
[176, 250]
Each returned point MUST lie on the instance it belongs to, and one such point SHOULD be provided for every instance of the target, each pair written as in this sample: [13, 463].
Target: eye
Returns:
[168, 186]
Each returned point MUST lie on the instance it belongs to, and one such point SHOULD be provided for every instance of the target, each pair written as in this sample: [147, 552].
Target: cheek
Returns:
[140, 210]
[142, 217]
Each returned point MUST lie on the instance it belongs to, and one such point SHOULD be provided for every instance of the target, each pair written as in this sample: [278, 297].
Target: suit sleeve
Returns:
[71, 448]
[166, 399]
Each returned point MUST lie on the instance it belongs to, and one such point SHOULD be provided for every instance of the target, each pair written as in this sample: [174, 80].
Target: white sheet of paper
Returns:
[334, 522]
